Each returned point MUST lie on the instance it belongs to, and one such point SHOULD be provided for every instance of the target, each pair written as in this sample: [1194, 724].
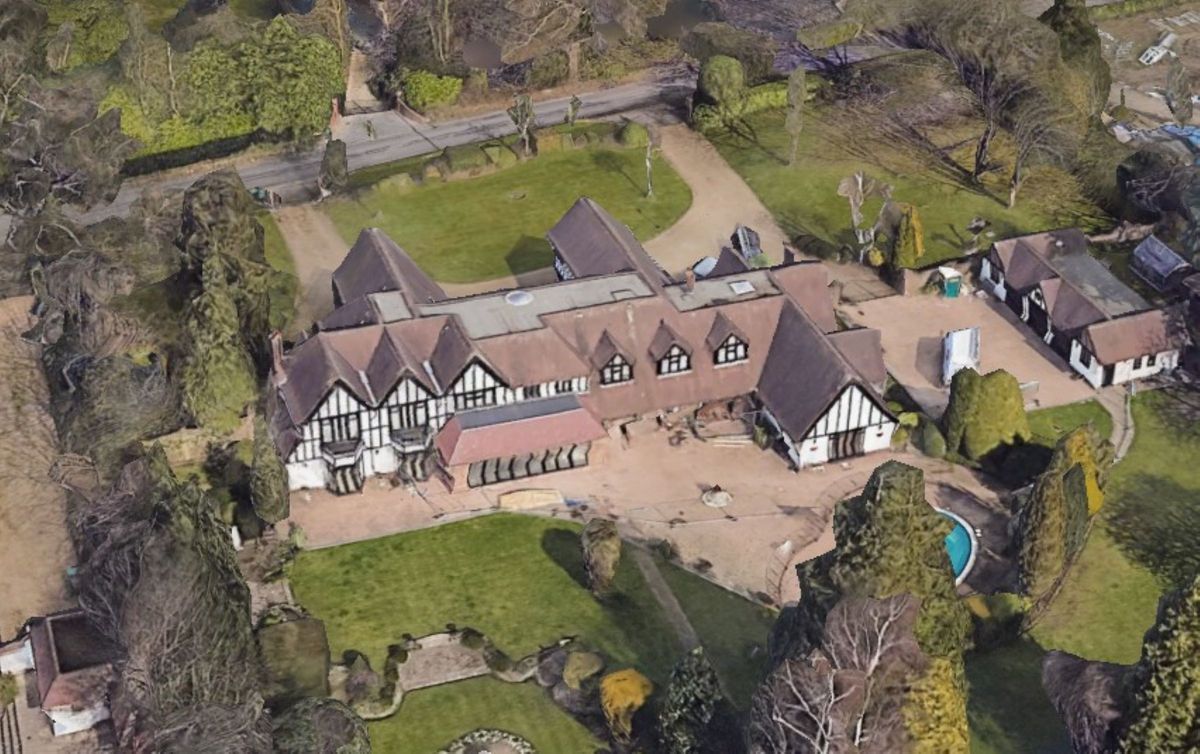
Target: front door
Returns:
[847, 444]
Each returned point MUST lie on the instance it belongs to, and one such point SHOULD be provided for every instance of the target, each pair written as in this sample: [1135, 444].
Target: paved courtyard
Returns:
[778, 518]
[913, 326]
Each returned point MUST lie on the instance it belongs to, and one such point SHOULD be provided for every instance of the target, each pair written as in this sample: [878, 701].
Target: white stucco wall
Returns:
[1094, 374]
[1165, 361]
[306, 475]
[66, 721]
[879, 437]
[16, 658]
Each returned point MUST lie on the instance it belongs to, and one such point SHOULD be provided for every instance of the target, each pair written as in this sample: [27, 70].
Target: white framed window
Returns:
[533, 391]
[676, 361]
[564, 386]
[617, 370]
[732, 351]
[475, 399]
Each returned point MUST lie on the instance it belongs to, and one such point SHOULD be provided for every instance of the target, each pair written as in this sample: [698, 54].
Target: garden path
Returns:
[720, 200]
[1115, 400]
[317, 249]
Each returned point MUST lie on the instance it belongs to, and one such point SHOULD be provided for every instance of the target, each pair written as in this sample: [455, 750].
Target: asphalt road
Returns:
[394, 138]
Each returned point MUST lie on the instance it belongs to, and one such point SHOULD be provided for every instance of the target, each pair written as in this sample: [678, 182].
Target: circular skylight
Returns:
[518, 298]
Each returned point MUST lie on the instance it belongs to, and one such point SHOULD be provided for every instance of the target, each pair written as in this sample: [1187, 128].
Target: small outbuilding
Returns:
[960, 350]
[1157, 264]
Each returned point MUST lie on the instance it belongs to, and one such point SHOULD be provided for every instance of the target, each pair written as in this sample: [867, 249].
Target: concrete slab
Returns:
[913, 326]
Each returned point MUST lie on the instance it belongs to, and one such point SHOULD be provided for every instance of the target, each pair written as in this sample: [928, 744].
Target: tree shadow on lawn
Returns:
[564, 548]
[1007, 706]
[610, 162]
[1154, 522]
[528, 254]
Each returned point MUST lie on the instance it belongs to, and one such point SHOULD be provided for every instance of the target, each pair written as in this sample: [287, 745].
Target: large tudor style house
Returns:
[1104, 330]
[475, 390]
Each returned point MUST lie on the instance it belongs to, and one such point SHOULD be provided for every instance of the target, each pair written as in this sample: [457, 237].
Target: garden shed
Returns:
[1157, 264]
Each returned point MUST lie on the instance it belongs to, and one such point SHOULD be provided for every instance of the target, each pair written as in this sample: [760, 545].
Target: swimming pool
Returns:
[960, 546]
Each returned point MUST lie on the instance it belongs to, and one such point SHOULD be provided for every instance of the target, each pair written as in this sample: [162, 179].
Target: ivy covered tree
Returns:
[601, 554]
[335, 170]
[984, 413]
[268, 477]
[218, 380]
[1164, 714]
[1082, 51]
[692, 697]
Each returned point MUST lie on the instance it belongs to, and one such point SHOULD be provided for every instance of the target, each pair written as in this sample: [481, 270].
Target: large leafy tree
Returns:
[692, 697]
[1081, 49]
[292, 79]
[1164, 717]
[891, 542]
[723, 83]
[601, 553]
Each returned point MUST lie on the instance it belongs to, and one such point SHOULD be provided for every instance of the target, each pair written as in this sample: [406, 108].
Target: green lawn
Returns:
[515, 578]
[284, 284]
[922, 165]
[1111, 595]
[1049, 424]
[732, 629]
[431, 718]
[482, 228]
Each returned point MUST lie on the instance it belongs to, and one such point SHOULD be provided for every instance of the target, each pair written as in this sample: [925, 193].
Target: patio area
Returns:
[777, 518]
[913, 327]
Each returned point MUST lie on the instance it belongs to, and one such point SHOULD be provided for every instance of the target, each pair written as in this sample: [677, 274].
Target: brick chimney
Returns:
[277, 369]
[689, 280]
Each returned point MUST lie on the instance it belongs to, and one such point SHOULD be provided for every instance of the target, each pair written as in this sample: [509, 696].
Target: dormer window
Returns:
[676, 361]
[732, 351]
[616, 371]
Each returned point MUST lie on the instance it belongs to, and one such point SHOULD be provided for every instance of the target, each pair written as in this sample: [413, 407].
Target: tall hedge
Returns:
[984, 413]
[425, 91]
[268, 477]
[1164, 715]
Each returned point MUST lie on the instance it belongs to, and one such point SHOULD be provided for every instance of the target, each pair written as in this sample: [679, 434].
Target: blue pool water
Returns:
[958, 546]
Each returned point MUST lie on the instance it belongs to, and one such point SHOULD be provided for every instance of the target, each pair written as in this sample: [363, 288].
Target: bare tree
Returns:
[521, 114]
[1179, 91]
[796, 94]
[856, 189]
[1041, 130]
[995, 50]
[846, 695]
[441, 29]
[573, 106]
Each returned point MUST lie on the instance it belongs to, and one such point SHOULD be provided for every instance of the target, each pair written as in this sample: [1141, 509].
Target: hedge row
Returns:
[769, 96]
[1130, 8]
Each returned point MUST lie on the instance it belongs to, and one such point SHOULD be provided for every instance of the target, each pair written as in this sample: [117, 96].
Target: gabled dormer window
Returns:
[676, 361]
[616, 371]
[733, 350]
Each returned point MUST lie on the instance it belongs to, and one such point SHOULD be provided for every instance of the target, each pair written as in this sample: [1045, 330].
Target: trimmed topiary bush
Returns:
[633, 134]
[930, 439]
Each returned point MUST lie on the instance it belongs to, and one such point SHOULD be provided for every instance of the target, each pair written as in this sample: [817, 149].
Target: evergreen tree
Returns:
[217, 379]
[268, 477]
[692, 697]
[723, 83]
[1164, 717]
[910, 239]
[984, 413]
[1082, 51]
[293, 79]
[335, 170]
[1042, 531]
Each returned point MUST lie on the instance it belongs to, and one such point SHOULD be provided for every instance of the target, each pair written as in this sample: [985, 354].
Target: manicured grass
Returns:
[431, 718]
[284, 283]
[1110, 597]
[1007, 707]
[838, 141]
[732, 629]
[1049, 424]
[517, 579]
[482, 228]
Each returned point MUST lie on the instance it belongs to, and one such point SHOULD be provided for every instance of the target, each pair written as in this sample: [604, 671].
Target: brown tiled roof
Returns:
[375, 263]
[592, 242]
[804, 373]
[72, 661]
[664, 338]
[863, 348]
[808, 284]
[516, 429]
[729, 262]
[1129, 337]
[722, 328]
[606, 348]
[533, 357]
[451, 354]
